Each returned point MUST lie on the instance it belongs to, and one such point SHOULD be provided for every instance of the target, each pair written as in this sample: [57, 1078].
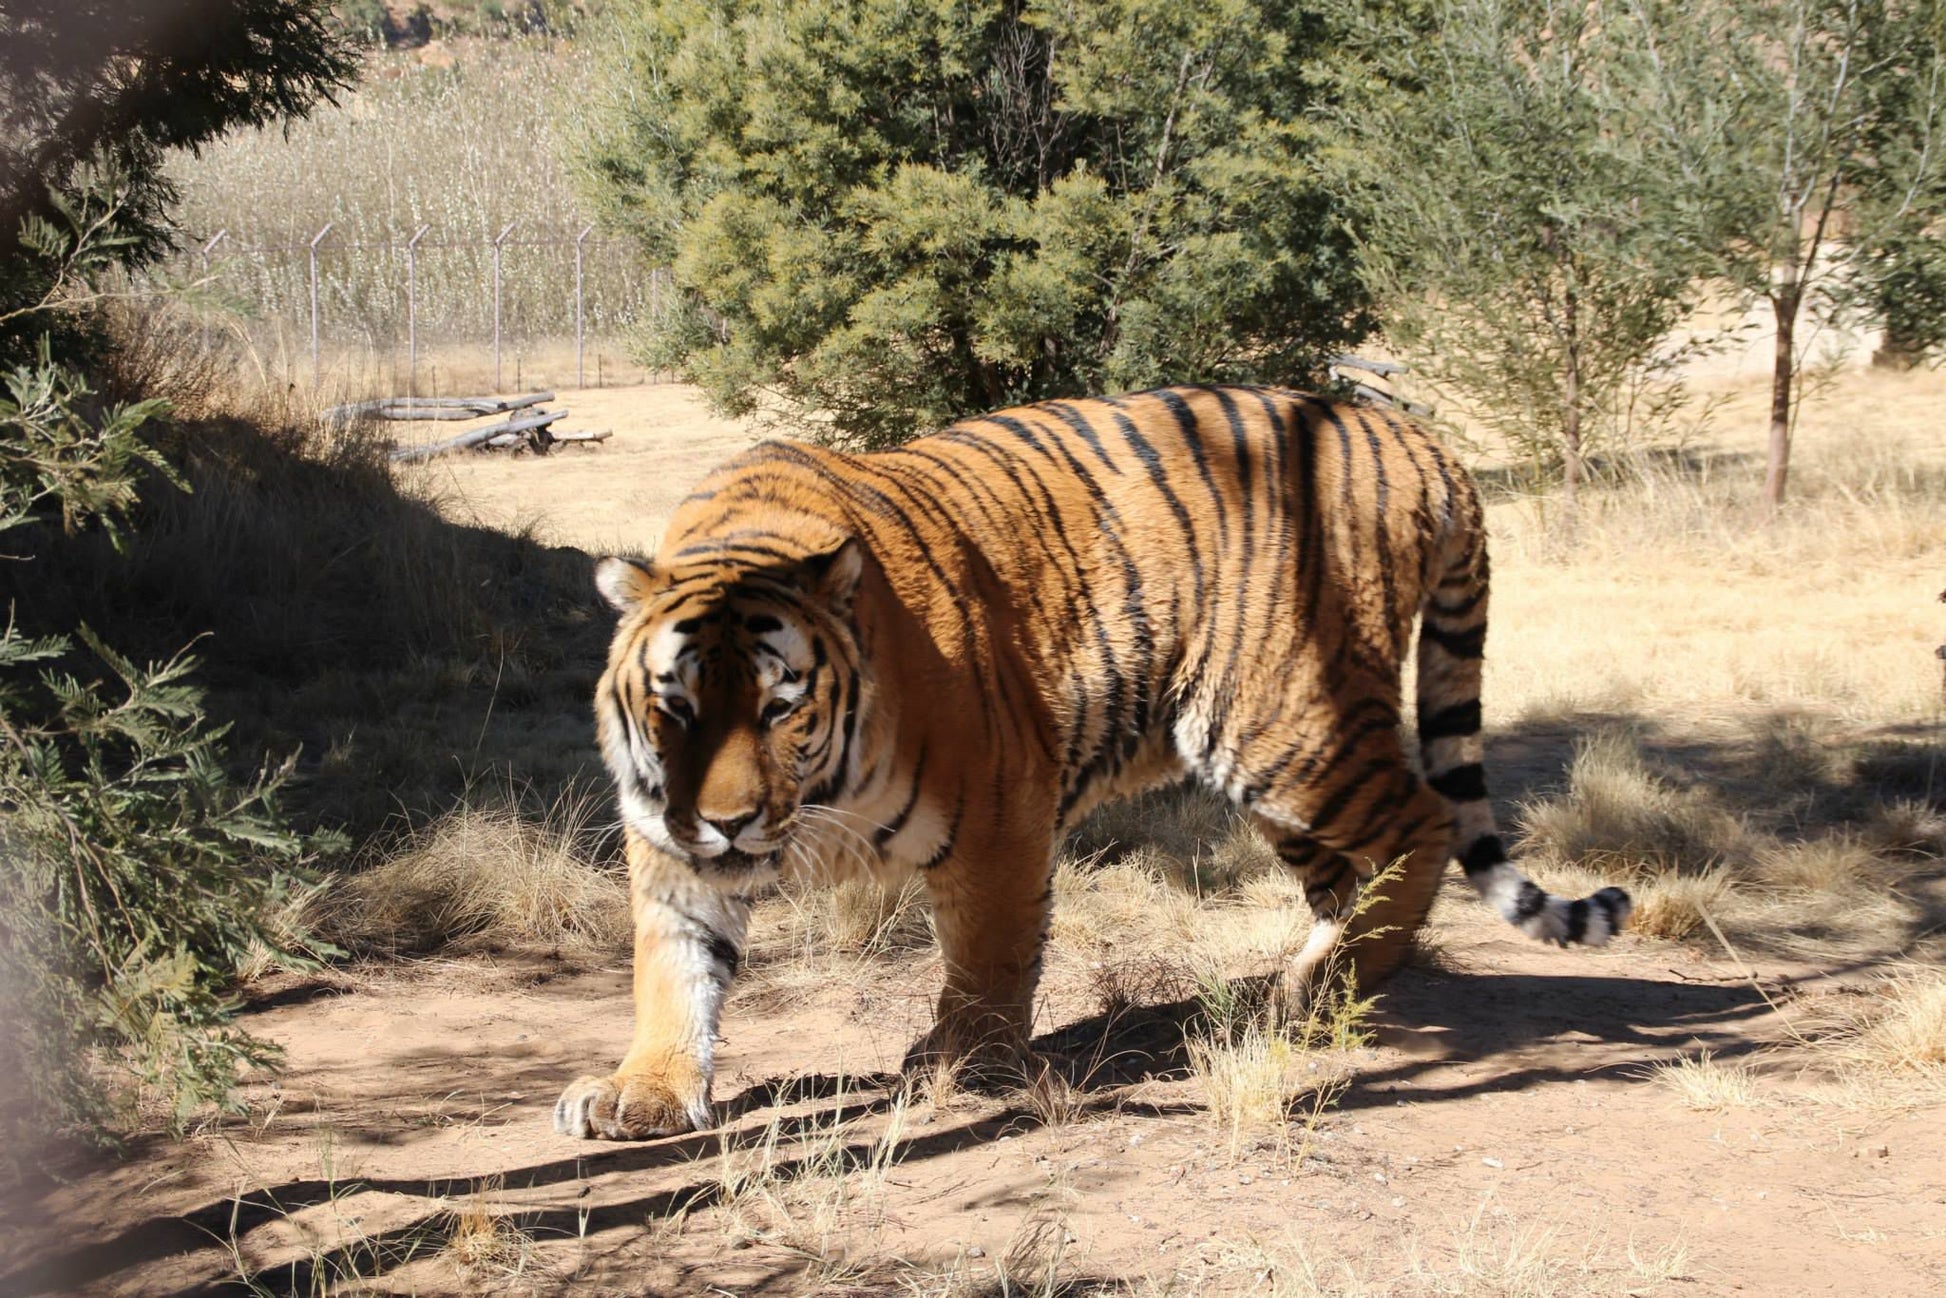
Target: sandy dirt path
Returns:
[1502, 1135]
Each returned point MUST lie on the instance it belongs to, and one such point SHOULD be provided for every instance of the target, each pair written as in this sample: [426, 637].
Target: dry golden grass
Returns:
[1259, 1083]
[1708, 1084]
[487, 873]
[1262, 1072]
[808, 937]
[1492, 1256]
[410, 145]
[1680, 598]
[1619, 815]
[1795, 849]
[482, 1240]
[816, 1187]
[1897, 1028]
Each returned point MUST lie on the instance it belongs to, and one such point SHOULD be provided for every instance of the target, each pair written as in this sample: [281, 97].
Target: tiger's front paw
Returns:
[632, 1106]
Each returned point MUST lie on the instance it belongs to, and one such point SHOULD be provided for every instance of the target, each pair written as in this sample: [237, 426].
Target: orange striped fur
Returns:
[938, 658]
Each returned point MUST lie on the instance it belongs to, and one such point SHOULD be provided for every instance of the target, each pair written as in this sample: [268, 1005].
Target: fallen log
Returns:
[478, 436]
[1384, 369]
[417, 408]
[582, 435]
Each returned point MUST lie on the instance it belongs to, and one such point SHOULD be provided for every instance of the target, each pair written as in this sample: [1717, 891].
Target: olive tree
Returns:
[1809, 141]
[1524, 245]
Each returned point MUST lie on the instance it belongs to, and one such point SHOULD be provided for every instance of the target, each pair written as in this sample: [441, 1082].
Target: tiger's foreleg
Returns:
[992, 925]
[688, 941]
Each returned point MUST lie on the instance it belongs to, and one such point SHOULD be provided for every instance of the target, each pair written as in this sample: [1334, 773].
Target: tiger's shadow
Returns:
[1498, 1026]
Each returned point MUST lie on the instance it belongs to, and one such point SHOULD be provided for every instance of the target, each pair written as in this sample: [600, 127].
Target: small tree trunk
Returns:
[1784, 308]
[1571, 414]
[1571, 445]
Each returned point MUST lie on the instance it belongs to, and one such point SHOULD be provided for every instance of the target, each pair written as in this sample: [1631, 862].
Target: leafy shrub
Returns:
[883, 215]
[134, 875]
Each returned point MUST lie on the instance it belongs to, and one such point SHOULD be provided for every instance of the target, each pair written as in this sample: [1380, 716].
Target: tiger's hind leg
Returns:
[1372, 818]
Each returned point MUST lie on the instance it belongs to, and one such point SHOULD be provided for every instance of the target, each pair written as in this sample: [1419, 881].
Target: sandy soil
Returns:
[603, 497]
[1503, 1134]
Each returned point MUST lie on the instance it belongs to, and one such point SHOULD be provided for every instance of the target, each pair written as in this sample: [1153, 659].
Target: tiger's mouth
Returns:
[736, 863]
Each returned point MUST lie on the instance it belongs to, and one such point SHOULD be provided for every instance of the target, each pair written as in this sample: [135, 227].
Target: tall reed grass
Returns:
[471, 141]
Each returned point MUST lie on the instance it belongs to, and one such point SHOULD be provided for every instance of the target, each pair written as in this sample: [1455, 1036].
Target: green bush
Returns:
[883, 214]
[134, 875]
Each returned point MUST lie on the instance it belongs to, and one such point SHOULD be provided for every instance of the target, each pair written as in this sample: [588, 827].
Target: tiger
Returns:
[942, 656]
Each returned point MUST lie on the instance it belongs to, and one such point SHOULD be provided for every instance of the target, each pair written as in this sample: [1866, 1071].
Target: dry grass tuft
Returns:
[1051, 1096]
[1707, 1084]
[1103, 905]
[481, 1239]
[1619, 814]
[1120, 985]
[1491, 1257]
[487, 874]
[816, 1185]
[1906, 827]
[1179, 823]
[1262, 1073]
[1899, 1028]
[854, 917]
[810, 936]
[1671, 905]
[1257, 1082]
[1840, 863]
[1808, 867]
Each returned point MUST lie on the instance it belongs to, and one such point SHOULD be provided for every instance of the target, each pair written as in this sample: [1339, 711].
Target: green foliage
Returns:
[885, 214]
[369, 21]
[52, 457]
[135, 875]
[1526, 246]
[1805, 139]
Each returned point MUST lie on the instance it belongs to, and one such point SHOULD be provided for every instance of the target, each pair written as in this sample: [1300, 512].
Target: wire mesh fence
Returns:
[424, 313]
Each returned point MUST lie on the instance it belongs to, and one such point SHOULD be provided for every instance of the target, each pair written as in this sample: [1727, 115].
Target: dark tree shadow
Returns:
[402, 658]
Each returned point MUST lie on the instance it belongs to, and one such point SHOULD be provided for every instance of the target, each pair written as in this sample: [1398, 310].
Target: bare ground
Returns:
[1503, 1135]
[1504, 1132]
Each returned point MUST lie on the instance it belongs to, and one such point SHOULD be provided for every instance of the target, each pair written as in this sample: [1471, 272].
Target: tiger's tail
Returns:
[1452, 641]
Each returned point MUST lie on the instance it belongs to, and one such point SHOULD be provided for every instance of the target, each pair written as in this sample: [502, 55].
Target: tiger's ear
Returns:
[624, 583]
[834, 575]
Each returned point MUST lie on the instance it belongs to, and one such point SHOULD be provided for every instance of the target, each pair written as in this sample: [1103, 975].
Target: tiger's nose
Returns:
[729, 826]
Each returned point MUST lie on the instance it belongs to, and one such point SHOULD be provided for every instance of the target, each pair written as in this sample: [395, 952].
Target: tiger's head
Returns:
[732, 696]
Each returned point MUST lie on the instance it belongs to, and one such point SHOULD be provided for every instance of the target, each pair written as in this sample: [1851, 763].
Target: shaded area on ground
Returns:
[1437, 1028]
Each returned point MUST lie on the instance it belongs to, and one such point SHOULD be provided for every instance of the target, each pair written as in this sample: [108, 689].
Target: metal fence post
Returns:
[316, 239]
[209, 247]
[412, 311]
[580, 371]
[498, 240]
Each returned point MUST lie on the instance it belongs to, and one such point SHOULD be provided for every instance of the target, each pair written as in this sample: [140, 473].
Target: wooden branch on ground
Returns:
[1380, 397]
[416, 408]
[514, 441]
[1383, 369]
[478, 436]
